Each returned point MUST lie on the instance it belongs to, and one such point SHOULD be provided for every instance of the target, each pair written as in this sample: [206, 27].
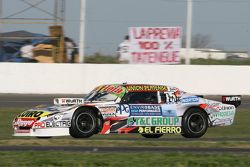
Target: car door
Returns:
[169, 101]
[140, 104]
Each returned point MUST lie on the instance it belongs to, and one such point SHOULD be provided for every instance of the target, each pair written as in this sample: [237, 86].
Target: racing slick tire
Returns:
[194, 123]
[83, 124]
[152, 135]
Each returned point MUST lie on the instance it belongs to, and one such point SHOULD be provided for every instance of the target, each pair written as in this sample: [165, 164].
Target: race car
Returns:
[150, 110]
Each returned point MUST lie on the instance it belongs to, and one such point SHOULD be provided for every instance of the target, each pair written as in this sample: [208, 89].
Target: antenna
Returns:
[55, 15]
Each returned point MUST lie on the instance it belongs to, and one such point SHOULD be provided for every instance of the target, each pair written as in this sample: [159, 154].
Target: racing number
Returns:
[171, 97]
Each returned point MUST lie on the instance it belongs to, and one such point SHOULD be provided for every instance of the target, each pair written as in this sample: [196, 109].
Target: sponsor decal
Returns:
[154, 121]
[67, 101]
[212, 107]
[168, 110]
[40, 125]
[218, 107]
[193, 99]
[223, 121]
[169, 113]
[122, 110]
[159, 129]
[226, 108]
[22, 131]
[146, 88]
[223, 114]
[58, 124]
[109, 114]
[112, 89]
[108, 109]
[145, 110]
[33, 114]
[231, 98]
[57, 117]
[24, 122]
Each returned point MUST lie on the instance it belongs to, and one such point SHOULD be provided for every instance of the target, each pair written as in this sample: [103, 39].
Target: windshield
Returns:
[106, 93]
[102, 96]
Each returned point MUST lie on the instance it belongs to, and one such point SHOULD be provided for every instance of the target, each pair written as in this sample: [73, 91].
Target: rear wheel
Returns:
[83, 124]
[152, 135]
[194, 123]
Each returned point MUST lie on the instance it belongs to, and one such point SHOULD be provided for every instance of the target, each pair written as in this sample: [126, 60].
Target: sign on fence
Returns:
[155, 45]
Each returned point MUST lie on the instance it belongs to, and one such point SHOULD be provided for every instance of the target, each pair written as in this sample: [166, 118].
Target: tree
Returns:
[198, 41]
[99, 58]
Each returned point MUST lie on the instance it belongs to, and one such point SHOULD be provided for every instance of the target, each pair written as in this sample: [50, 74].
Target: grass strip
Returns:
[52, 158]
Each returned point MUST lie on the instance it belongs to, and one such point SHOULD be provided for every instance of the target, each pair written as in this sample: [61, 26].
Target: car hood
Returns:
[43, 110]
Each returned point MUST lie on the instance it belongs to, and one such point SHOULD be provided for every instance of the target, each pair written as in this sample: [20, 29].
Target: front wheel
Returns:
[194, 123]
[83, 124]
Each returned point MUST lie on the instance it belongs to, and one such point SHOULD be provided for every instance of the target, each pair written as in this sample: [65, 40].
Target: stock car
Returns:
[150, 110]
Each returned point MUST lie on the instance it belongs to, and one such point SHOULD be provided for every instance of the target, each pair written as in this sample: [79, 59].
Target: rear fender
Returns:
[202, 110]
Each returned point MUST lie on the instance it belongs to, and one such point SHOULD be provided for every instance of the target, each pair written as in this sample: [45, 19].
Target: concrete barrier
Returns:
[82, 78]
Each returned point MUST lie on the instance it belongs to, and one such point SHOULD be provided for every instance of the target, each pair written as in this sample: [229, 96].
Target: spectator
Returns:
[123, 50]
[71, 50]
[27, 50]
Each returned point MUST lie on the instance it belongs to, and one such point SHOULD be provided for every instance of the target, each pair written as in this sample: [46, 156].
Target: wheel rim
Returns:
[85, 122]
[196, 123]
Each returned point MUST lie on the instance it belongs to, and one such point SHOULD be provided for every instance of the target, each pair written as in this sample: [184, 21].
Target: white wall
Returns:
[206, 54]
[81, 78]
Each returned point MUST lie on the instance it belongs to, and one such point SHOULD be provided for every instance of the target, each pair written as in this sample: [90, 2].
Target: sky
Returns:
[226, 22]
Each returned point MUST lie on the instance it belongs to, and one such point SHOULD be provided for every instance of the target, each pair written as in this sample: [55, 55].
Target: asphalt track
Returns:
[27, 101]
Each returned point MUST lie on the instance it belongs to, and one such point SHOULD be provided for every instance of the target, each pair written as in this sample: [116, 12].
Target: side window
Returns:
[163, 97]
[140, 98]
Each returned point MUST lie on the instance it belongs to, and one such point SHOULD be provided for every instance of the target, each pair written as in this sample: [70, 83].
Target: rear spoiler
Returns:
[68, 101]
[233, 100]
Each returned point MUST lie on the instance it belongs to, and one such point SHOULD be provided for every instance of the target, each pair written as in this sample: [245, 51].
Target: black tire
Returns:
[194, 123]
[83, 124]
[152, 135]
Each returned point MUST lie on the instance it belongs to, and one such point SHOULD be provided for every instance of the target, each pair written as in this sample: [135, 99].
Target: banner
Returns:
[155, 45]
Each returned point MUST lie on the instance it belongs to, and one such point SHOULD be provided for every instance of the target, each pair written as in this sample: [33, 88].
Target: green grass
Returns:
[125, 143]
[219, 62]
[6, 117]
[98, 58]
[239, 129]
[122, 159]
